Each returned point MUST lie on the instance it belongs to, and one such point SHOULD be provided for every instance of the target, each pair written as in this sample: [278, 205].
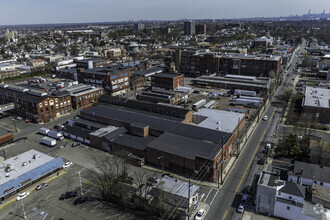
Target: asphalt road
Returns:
[228, 198]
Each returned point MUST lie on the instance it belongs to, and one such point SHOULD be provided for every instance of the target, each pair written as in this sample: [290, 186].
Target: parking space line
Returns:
[214, 197]
[207, 195]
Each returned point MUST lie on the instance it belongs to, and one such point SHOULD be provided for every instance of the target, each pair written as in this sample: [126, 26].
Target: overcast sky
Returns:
[72, 11]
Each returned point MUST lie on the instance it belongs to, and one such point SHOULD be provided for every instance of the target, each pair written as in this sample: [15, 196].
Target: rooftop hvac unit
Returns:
[25, 164]
[36, 156]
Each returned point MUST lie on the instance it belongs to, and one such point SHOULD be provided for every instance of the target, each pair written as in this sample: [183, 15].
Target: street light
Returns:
[162, 157]
[81, 192]
[15, 124]
[23, 209]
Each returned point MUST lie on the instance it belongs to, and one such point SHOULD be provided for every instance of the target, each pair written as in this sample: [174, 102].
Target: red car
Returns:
[28, 120]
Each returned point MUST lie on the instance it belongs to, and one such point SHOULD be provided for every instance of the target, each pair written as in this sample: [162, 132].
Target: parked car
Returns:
[247, 189]
[22, 195]
[18, 118]
[240, 208]
[200, 214]
[28, 120]
[265, 118]
[68, 195]
[58, 127]
[75, 144]
[153, 179]
[67, 164]
[244, 198]
[80, 200]
[268, 146]
[42, 185]
[168, 174]
[265, 151]
[261, 161]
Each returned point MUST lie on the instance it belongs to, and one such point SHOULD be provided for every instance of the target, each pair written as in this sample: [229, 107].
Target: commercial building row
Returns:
[41, 106]
[193, 63]
[163, 140]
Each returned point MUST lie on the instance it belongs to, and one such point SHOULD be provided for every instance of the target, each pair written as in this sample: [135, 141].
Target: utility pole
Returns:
[238, 142]
[218, 178]
[162, 157]
[15, 125]
[24, 214]
[222, 160]
[81, 192]
[188, 199]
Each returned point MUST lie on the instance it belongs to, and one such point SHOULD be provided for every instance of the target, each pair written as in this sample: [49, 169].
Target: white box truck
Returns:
[43, 131]
[55, 134]
[48, 141]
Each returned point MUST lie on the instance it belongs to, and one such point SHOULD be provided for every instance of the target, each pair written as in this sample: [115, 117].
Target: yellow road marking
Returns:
[224, 216]
[254, 153]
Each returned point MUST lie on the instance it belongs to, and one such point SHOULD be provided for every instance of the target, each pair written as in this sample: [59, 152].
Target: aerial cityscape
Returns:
[147, 110]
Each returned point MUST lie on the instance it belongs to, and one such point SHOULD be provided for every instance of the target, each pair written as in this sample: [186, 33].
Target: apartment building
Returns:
[114, 79]
[237, 64]
[36, 63]
[92, 63]
[36, 104]
[9, 73]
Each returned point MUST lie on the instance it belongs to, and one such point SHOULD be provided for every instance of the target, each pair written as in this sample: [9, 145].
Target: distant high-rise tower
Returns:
[189, 28]
[139, 27]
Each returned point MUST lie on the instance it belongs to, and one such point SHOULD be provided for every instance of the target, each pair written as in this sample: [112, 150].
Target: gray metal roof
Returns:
[157, 123]
[311, 171]
[184, 146]
[293, 188]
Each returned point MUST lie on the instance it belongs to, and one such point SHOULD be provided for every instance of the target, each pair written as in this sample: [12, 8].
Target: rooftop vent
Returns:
[36, 156]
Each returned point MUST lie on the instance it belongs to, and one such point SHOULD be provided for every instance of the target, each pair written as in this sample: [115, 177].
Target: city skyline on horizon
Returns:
[93, 11]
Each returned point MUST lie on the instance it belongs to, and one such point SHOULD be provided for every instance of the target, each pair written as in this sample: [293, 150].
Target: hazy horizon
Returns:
[85, 11]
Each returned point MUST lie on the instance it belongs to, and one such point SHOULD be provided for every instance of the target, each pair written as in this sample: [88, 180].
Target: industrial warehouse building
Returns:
[179, 147]
[25, 169]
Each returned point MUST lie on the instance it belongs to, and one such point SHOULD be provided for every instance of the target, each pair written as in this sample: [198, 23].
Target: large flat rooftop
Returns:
[317, 97]
[21, 164]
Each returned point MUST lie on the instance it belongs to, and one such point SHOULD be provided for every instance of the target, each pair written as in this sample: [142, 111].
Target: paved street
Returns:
[228, 198]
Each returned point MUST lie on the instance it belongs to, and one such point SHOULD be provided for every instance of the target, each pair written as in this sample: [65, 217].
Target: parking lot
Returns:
[45, 204]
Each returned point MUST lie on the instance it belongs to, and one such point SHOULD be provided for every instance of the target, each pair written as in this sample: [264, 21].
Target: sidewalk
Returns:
[31, 188]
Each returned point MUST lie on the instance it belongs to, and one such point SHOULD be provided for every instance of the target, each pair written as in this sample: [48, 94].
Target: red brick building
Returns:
[114, 79]
[166, 81]
[36, 104]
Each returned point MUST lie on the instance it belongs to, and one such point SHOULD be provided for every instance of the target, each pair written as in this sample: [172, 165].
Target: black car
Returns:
[80, 200]
[168, 174]
[68, 195]
[265, 151]
[153, 179]
[75, 144]
[261, 161]
[247, 189]
[42, 185]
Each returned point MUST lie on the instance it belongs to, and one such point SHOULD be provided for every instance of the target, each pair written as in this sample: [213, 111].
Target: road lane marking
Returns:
[224, 216]
[214, 197]
[254, 153]
[207, 195]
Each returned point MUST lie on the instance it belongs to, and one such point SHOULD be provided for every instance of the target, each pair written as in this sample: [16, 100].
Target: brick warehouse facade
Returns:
[184, 148]
[166, 81]
[36, 104]
[114, 80]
